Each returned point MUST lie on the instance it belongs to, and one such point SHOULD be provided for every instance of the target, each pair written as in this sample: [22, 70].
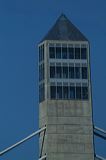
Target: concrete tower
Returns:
[65, 104]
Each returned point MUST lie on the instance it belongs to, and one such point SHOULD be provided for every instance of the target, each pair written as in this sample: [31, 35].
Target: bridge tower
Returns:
[65, 103]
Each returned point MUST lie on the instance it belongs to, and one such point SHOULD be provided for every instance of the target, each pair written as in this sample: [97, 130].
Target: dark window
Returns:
[83, 53]
[59, 92]
[71, 72]
[77, 53]
[65, 72]
[41, 92]
[51, 52]
[52, 71]
[77, 72]
[72, 92]
[58, 72]
[64, 52]
[58, 52]
[78, 92]
[71, 53]
[84, 73]
[53, 92]
[85, 93]
[65, 92]
[41, 72]
[41, 53]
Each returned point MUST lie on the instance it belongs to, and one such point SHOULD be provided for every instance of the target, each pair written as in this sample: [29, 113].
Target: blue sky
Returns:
[23, 23]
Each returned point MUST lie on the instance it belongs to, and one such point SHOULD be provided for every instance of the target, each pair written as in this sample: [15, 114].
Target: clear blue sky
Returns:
[23, 23]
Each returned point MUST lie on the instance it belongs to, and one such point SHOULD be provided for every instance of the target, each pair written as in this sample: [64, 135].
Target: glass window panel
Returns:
[58, 52]
[84, 73]
[71, 53]
[41, 92]
[58, 71]
[51, 52]
[52, 71]
[72, 92]
[77, 72]
[39, 54]
[64, 52]
[53, 92]
[78, 92]
[65, 92]
[71, 72]
[85, 93]
[83, 53]
[65, 72]
[42, 71]
[77, 53]
[59, 92]
[43, 52]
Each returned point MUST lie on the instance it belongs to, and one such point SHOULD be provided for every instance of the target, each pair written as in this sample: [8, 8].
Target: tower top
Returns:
[63, 29]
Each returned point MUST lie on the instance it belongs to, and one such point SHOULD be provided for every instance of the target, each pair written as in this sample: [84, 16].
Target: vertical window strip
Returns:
[53, 92]
[41, 72]
[41, 92]
[77, 73]
[72, 92]
[43, 52]
[65, 71]
[65, 92]
[64, 52]
[59, 92]
[84, 73]
[77, 53]
[83, 53]
[85, 92]
[71, 72]
[58, 52]
[52, 72]
[51, 52]
[58, 72]
[78, 92]
[70, 52]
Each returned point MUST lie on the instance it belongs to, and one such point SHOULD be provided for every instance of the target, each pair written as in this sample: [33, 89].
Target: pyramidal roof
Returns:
[63, 29]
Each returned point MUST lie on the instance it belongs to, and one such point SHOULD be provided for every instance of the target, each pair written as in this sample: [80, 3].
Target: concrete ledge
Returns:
[69, 129]
[64, 156]
[70, 120]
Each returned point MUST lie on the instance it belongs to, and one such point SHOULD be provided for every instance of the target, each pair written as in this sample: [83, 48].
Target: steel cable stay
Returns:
[99, 157]
[101, 134]
[24, 140]
[97, 131]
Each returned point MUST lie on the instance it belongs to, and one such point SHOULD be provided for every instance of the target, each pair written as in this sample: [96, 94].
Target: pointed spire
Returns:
[62, 17]
[63, 29]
